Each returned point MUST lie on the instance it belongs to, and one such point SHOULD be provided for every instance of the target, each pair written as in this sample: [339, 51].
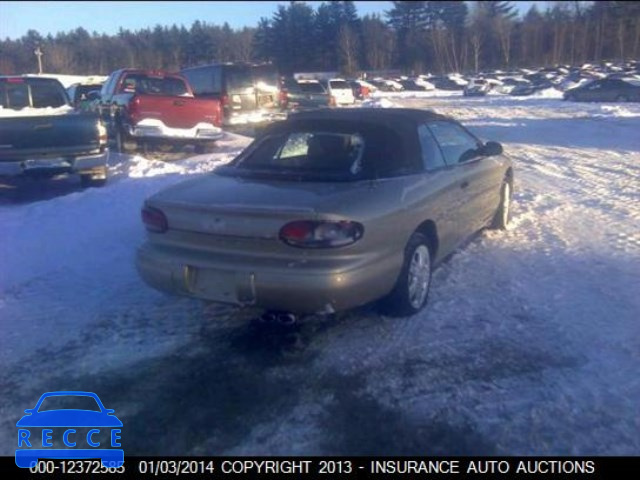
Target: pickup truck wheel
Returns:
[120, 140]
[94, 179]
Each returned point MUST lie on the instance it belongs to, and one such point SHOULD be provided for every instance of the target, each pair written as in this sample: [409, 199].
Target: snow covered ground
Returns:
[530, 344]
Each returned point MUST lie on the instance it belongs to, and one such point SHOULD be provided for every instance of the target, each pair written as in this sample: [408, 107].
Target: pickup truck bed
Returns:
[49, 141]
[144, 104]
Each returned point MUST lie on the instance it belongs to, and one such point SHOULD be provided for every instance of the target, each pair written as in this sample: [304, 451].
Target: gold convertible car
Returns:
[326, 211]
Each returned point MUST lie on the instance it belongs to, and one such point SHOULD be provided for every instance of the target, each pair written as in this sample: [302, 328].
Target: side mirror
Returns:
[491, 149]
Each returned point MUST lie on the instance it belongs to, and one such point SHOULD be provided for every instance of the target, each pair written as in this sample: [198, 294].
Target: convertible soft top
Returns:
[393, 131]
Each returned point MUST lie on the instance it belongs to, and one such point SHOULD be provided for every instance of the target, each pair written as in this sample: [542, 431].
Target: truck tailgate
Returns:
[48, 136]
[175, 112]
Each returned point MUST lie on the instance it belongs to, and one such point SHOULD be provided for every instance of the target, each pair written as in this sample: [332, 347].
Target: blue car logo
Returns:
[81, 431]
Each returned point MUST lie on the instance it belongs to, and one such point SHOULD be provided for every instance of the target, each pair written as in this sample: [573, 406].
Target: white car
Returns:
[340, 91]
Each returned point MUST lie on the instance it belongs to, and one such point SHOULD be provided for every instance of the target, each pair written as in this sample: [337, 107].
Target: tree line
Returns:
[411, 36]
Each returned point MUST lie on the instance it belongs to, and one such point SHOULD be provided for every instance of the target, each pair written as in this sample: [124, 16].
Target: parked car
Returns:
[298, 95]
[155, 105]
[328, 210]
[605, 90]
[84, 95]
[446, 83]
[248, 93]
[339, 90]
[509, 84]
[359, 91]
[412, 86]
[529, 88]
[477, 87]
[41, 135]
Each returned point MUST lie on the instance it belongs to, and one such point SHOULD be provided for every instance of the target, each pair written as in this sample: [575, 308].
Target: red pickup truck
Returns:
[153, 104]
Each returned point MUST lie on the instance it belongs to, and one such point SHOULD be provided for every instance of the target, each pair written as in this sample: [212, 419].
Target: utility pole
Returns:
[39, 54]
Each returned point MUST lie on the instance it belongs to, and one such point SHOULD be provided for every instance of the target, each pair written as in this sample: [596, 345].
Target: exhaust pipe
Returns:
[287, 319]
[282, 318]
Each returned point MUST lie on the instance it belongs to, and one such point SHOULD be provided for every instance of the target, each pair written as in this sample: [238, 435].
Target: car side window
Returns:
[432, 158]
[456, 143]
[108, 86]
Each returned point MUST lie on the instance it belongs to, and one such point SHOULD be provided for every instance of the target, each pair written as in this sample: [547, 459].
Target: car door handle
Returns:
[464, 184]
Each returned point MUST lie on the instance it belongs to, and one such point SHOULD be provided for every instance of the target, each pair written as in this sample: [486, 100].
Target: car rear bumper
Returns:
[154, 128]
[259, 116]
[285, 288]
[55, 165]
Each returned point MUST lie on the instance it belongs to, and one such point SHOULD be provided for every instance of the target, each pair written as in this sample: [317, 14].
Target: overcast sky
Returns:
[17, 17]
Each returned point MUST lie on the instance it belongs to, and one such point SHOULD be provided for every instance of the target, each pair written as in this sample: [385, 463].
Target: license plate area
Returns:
[213, 284]
[46, 163]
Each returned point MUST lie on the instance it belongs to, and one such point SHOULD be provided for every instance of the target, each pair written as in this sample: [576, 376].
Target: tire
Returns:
[121, 140]
[411, 292]
[503, 213]
[94, 179]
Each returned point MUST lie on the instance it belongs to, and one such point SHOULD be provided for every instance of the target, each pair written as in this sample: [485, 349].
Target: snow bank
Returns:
[35, 112]
[68, 80]
[548, 93]
[378, 103]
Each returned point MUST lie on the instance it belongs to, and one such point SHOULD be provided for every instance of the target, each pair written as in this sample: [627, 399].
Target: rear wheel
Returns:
[97, 178]
[123, 140]
[411, 291]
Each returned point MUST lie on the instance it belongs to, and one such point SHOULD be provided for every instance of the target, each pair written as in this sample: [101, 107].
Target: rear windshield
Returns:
[265, 76]
[322, 153]
[144, 84]
[239, 80]
[339, 84]
[43, 94]
[333, 153]
[311, 87]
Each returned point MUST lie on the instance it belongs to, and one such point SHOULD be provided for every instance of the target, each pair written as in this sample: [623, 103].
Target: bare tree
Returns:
[348, 49]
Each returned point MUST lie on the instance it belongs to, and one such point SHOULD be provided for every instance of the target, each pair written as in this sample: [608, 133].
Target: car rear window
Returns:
[148, 85]
[239, 80]
[47, 94]
[205, 80]
[310, 152]
[339, 85]
[311, 87]
[325, 151]
[14, 95]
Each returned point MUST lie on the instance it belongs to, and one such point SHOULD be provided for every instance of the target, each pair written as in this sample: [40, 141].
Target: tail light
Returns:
[321, 234]
[217, 115]
[283, 98]
[332, 101]
[133, 108]
[154, 220]
[102, 134]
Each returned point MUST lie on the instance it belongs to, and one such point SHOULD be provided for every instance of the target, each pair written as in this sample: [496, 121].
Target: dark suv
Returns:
[248, 93]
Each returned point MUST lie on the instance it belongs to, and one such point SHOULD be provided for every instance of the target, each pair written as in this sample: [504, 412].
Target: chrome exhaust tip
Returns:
[287, 319]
